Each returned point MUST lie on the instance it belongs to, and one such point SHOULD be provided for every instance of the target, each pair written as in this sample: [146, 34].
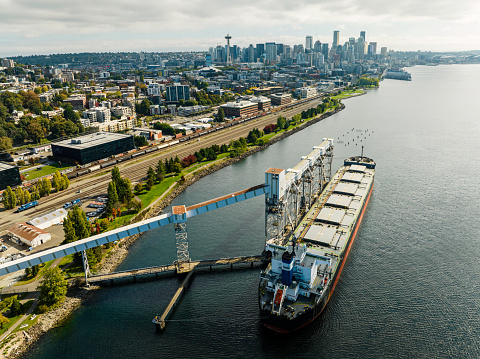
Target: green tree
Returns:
[5, 143]
[27, 196]
[138, 188]
[134, 204]
[65, 181]
[143, 108]
[281, 122]
[20, 196]
[165, 128]
[69, 231]
[35, 270]
[3, 321]
[9, 198]
[69, 113]
[177, 168]
[44, 187]
[160, 168]
[125, 193]
[53, 287]
[220, 115]
[57, 181]
[112, 197]
[35, 132]
[16, 307]
[140, 141]
[151, 174]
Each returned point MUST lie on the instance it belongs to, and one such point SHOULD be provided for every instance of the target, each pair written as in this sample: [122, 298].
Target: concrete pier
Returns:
[160, 321]
[110, 278]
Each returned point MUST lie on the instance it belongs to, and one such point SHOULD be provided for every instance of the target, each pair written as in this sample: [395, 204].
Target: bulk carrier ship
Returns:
[303, 272]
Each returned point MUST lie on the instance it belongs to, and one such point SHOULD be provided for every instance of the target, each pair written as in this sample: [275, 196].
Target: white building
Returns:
[154, 89]
[305, 92]
[49, 219]
[103, 114]
[22, 233]
[120, 111]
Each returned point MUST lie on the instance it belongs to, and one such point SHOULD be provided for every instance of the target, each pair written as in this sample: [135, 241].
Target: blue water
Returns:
[411, 285]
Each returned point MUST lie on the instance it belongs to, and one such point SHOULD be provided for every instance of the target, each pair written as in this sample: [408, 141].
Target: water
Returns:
[410, 287]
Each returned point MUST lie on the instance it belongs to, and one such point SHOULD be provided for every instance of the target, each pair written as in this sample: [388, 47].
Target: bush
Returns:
[42, 308]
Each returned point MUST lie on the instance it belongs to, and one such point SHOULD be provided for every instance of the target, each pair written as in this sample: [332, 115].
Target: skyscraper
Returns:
[270, 51]
[336, 38]
[325, 50]
[251, 53]
[260, 51]
[309, 42]
[362, 34]
[317, 47]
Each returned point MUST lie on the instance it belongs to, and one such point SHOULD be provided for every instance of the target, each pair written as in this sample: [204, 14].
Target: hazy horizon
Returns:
[36, 28]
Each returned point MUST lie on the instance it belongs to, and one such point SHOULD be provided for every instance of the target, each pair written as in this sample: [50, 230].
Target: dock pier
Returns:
[188, 268]
[160, 321]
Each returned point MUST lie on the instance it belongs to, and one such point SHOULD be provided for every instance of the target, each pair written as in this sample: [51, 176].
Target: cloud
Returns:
[165, 25]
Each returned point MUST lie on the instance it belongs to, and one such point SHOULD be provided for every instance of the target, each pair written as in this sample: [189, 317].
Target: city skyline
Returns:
[30, 28]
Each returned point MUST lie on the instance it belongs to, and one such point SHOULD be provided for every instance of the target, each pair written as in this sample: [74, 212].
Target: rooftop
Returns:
[91, 140]
[26, 231]
[5, 166]
[62, 213]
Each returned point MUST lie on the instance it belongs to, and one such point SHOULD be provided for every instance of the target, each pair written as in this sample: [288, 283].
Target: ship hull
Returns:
[283, 325]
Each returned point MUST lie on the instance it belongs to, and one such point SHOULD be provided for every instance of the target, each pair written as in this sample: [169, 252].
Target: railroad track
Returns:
[96, 183]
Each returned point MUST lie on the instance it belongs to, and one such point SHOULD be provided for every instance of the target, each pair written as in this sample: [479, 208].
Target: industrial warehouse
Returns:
[9, 176]
[93, 147]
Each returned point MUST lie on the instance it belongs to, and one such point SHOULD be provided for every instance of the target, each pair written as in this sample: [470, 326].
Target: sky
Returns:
[30, 27]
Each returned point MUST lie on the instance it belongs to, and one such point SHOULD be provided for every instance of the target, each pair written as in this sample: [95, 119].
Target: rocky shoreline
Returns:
[76, 293]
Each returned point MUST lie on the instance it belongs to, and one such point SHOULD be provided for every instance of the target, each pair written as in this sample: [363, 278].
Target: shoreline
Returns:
[77, 294]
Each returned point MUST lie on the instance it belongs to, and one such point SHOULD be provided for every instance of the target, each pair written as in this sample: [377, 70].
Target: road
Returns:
[96, 183]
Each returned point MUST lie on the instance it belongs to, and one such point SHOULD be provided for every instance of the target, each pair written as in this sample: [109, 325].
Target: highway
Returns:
[96, 183]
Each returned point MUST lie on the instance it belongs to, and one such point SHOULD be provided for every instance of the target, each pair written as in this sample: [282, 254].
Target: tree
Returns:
[116, 177]
[27, 196]
[112, 197]
[177, 168]
[66, 181]
[44, 187]
[3, 321]
[138, 188]
[70, 114]
[151, 174]
[16, 307]
[35, 132]
[220, 115]
[9, 198]
[5, 143]
[69, 231]
[125, 193]
[140, 141]
[20, 195]
[57, 181]
[165, 128]
[211, 154]
[143, 108]
[281, 122]
[53, 287]
[160, 168]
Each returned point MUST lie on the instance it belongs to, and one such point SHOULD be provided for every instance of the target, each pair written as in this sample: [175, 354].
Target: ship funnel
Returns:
[287, 266]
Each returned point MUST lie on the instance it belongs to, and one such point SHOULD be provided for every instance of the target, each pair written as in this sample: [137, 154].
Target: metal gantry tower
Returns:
[293, 191]
[180, 223]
